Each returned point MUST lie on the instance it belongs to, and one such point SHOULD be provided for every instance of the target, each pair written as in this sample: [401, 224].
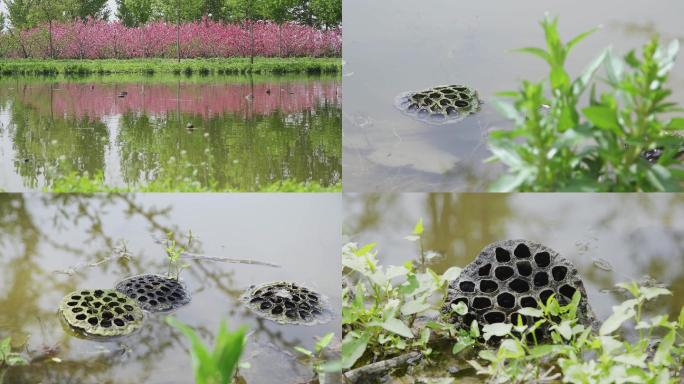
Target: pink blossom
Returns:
[98, 39]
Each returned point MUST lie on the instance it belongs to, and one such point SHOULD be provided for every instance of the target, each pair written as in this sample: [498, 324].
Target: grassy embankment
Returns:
[261, 65]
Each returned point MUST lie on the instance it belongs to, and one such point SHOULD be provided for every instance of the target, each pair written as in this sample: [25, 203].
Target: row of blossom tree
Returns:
[100, 39]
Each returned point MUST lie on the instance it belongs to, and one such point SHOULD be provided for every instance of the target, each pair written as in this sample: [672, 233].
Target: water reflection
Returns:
[44, 236]
[640, 237]
[241, 133]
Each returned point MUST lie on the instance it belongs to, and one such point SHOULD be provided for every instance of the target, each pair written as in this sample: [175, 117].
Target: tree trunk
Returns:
[178, 30]
[52, 48]
[251, 34]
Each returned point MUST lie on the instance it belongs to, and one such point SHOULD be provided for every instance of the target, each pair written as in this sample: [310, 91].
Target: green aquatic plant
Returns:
[217, 365]
[624, 139]
[579, 355]
[321, 365]
[173, 254]
[380, 304]
[9, 358]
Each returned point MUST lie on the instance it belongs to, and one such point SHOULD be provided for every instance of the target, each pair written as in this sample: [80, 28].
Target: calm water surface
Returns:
[609, 238]
[43, 238]
[246, 132]
[396, 46]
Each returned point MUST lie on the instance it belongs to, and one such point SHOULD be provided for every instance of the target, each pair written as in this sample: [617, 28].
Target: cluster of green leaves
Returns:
[326, 13]
[173, 253]
[379, 309]
[28, 13]
[556, 145]
[217, 365]
[579, 355]
[8, 358]
[321, 365]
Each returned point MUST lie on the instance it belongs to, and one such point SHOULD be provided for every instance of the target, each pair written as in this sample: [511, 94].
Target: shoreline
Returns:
[202, 66]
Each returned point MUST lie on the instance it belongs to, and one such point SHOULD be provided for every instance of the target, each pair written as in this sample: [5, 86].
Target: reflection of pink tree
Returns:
[206, 100]
[94, 39]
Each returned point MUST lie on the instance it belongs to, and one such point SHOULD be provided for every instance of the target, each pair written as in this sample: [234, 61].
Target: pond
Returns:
[447, 42]
[53, 245]
[237, 133]
[609, 238]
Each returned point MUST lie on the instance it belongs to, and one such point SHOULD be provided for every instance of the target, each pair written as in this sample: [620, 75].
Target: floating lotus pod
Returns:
[439, 105]
[154, 293]
[287, 303]
[512, 274]
[101, 312]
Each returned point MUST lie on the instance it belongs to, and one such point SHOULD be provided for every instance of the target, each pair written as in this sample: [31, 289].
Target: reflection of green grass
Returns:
[72, 182]
[186, 66]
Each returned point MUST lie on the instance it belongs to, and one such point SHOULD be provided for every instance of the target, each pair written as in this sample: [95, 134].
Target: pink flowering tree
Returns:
[100, 39]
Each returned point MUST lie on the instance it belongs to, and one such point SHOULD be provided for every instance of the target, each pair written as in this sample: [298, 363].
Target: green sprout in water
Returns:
[173, 254]
[320, 364]
[217, 366]
[8, 358]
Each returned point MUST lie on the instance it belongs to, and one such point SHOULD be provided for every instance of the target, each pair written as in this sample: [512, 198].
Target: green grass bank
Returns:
[227, 66]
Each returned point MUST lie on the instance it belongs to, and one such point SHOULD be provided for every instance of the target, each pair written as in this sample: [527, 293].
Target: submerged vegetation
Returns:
[73, 182]
[392, 323]
[625, 138]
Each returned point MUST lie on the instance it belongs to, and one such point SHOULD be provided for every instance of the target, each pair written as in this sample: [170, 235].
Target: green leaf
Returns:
[536, 52]
[633, 360]
[460, 308]
[564, 329]
[580, 84]
[474, 329]
[676, 123]
[304, 351]
[451, 274]
[418, 229]
[510, 182]
[462, 344]
[324, 341]
[661, 178]
[409, 286]
[533, 312]
[496, 329]
[681, 318]
[5, 346]
[650, 293]
[544, 350]
[614, 321]
[395, 326]
[603, 117]
[511, 349]
[579, 38]
[202, 362]
[365, 249]
[414, 306]
[508, 111]
[662, 355]
[353, 348]
[228, 348]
